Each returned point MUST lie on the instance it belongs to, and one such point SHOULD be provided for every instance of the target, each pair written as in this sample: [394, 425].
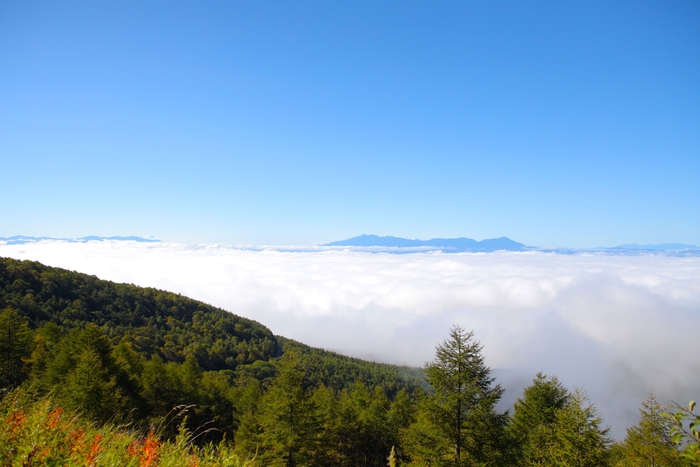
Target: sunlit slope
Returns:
[156, 321]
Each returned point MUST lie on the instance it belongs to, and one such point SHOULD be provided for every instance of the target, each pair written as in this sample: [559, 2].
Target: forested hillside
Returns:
[151, 321]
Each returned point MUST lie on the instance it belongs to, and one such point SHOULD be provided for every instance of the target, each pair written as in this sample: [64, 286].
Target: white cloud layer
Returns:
[619, 326]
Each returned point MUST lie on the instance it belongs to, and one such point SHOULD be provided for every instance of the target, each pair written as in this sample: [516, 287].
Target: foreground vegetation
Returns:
[42, 434]
[96, 373]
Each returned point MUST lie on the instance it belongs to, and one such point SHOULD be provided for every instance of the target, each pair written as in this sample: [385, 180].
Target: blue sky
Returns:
[553, 123]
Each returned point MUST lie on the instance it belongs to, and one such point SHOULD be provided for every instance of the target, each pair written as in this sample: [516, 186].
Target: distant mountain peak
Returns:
[448, 245]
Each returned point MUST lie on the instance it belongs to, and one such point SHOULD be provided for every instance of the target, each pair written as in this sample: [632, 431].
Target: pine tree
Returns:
[457, 423]
[649, 444]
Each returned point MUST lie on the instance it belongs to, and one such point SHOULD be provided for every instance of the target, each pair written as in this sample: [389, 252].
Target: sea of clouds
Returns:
[618, 326]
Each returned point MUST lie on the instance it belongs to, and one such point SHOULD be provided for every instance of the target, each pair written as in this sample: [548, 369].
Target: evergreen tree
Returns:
[289, 429]
[577, 438]
[128, 359]
[402, 412]
[159, 387]
[189, 381]
[82, 370]
[649, 444]
[534, 415]
[89, 389]
[216, 406]
[457, 424]
[247, 395]
[373, 436]
[345, 430]
[401, 415]
[16, 341]
[67, 352]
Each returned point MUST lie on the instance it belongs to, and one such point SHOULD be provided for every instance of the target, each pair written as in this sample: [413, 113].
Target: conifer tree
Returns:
[83, 372]
[15, 349]
[89, 388]
[325, 404]
[247, 395]
[534, 416]
[373, 436]
[159, 387]
[457, 424]
[649, 444]
[68, 351]
[346, 428]
[189, 380]
[577, 438]
[402, 412]
[289, 429]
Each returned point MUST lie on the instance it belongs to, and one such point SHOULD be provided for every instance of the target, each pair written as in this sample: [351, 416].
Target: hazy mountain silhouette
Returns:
[658, 247]
[22, 239]
[444, 244]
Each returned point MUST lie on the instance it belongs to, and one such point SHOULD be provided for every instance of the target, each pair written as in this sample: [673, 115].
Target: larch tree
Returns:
[649, 444]
[535, 413]
[289, 430]
[457, 424]
[577, 438]
[89, 389]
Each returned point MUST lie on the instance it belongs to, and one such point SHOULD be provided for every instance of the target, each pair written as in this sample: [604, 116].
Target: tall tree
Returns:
[534, 415]
[577, 438]
[247, 396]
[159, 387]
[88, 388]
[83, 372]
[457, 424]
[289, 429]
[15, 348]
[649, 444]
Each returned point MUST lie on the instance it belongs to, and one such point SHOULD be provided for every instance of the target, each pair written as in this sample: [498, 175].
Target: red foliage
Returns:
[146, 450]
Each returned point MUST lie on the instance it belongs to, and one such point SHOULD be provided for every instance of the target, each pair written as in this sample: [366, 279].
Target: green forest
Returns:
[96, 373]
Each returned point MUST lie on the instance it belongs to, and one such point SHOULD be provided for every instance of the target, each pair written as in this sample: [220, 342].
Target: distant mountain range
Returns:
[659, 247]
[22, 239]
[462, 244]
[443, 244]
[398, 245]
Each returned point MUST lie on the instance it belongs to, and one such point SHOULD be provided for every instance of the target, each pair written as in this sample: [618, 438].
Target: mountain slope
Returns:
[173, 326]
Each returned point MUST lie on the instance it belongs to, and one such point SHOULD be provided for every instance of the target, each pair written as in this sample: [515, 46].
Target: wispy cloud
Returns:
[617, 325]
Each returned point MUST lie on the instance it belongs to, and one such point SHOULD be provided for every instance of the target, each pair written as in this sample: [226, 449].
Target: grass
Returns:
[39, 433]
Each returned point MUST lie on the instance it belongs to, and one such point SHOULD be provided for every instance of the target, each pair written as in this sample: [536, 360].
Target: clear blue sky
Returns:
[554, 123]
